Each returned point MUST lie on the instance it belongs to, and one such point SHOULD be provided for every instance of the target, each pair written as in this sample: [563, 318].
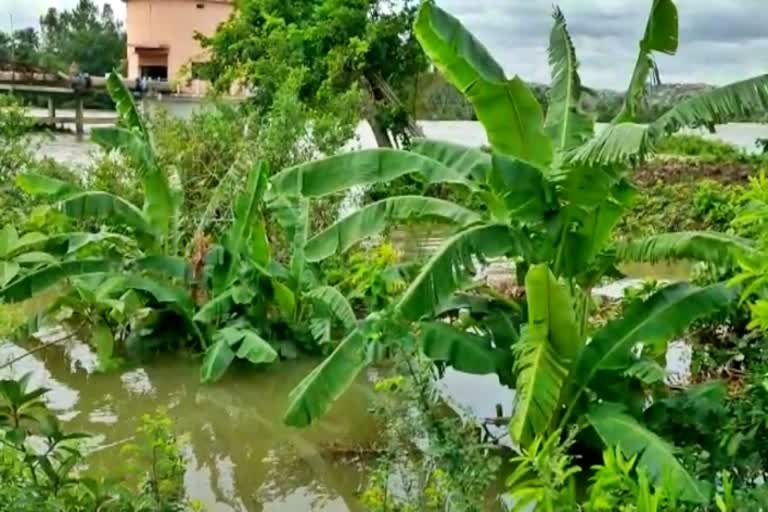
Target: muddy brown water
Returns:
[239, 455]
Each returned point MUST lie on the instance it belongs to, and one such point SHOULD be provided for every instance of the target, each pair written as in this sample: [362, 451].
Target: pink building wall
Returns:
[157, 28]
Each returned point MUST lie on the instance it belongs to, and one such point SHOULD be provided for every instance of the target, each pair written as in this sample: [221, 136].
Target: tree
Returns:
[337, 47]
[25, 46]
[92, 39]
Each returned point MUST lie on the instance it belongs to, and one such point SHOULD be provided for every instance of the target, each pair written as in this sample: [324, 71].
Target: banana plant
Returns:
[259, 309]
[562, 379]
[552, 191]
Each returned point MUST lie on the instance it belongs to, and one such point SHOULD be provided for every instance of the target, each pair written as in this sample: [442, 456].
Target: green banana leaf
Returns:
[708, 246]
[463, 351]
[666, 314]
[656, 456]
[550, 340]
[566, 124]
[315, 394]
[338, 173]
[507, 109]
[216, 362]
[103, 205]
[661, 35]
[336, 303]
[374, 219]
[453, 264]
[38, 281]
[41, 185]
[468, 162]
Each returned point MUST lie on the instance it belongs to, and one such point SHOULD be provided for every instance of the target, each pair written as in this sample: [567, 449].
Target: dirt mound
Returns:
[679, 171]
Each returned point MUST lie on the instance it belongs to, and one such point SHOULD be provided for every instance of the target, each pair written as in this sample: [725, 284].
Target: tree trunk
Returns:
[379, 132]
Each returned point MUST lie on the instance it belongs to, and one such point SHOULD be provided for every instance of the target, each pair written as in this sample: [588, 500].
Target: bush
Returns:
[46, 476]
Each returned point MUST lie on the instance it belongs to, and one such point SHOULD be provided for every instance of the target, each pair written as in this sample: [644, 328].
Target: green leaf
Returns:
[9, 240]
[551, 310]
[664, 315]
[36, 282]
[707, 246]
[547, 344]
[159, 201]
[566, 124]
[216, 309]
[655, 455]
[255, 349]
[507, 109]
[315, 394]
[8, 271]
[616, 144]
[105, 206]
[247, 212]
[373, 219]
[160, 291]
[104, 341]
[218, 358]
[468, 162]
[174, 267]
[41, 185]
[520, 186]
[285, 298]
[338, 173]
[453, 264]
[336, 303]
[126, 107]
[647, 371]
[725, 104]
[465, 352]
[661, 35]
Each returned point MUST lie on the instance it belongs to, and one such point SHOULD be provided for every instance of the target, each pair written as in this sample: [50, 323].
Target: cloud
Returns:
[26, 13]
[720, 40]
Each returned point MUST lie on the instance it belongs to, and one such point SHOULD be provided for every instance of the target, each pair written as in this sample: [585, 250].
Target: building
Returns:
[161, 42]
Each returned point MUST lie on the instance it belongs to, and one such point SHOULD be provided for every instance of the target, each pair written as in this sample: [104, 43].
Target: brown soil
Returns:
[684, 170]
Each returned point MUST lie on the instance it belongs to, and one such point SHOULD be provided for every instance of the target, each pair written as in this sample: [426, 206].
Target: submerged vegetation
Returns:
[218, 238]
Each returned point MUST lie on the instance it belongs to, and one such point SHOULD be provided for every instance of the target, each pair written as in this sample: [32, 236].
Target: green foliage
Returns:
[371, 278]
[697, 146]
[334, 50]
[47, 476]
[555, 221]
[431, 459]
[544, 475]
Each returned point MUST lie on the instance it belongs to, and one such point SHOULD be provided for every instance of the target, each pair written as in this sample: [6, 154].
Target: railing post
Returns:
[52, 109]
[79, 129]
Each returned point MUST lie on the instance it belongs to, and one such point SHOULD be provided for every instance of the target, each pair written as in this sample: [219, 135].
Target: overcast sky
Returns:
[721, 40]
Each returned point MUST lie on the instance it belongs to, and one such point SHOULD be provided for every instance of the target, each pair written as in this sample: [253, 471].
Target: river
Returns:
[67, 149]
[240, 457]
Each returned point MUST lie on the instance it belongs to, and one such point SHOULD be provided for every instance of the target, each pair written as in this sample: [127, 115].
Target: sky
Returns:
[720, 40]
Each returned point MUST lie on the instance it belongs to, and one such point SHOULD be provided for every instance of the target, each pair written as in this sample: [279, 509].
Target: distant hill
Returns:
[438, 100]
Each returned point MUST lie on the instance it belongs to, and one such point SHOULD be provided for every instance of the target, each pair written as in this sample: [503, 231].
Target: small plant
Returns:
[156, 455]
[41, 466]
